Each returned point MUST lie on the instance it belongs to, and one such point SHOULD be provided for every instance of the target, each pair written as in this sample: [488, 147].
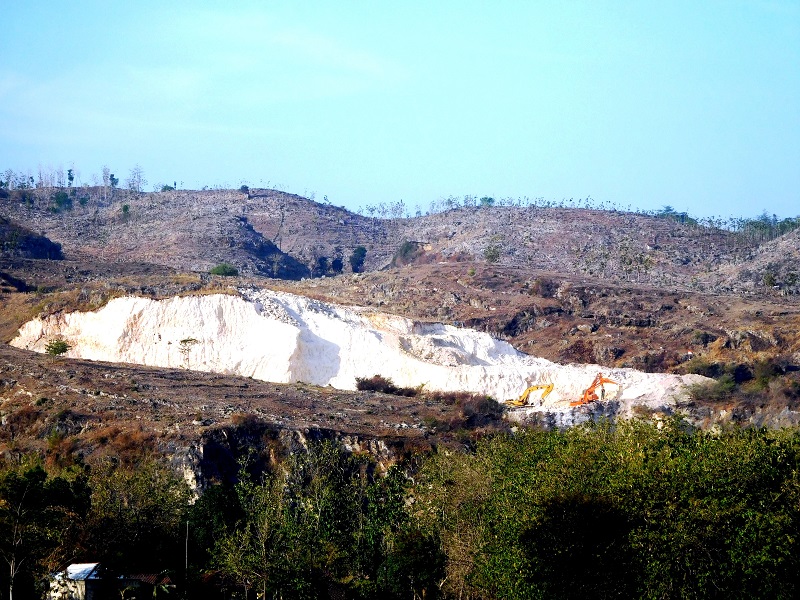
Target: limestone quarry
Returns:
[285, 338]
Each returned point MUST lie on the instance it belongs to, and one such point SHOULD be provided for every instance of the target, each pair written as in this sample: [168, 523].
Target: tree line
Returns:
[633, 510]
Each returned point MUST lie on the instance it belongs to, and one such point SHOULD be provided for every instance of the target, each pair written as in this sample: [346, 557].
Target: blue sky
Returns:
[691, 104]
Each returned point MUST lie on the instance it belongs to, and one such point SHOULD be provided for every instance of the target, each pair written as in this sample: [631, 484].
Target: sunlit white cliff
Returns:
[281, 337]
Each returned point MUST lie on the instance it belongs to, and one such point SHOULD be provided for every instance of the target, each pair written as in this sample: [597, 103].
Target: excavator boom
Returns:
[589, 394]
[523, 399]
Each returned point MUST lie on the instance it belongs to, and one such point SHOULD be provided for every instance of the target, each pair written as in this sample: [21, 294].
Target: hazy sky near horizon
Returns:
[693, 104]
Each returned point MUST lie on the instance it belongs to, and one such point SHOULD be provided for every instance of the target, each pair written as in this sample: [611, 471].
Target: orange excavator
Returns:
[523, 399]
[590, 395]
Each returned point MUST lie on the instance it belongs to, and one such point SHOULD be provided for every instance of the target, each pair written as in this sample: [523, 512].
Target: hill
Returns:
[570, 285]
[275, 234]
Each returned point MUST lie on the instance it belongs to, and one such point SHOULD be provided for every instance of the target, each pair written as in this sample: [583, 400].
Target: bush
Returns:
[720, 389]
[406, 253]
[61, 201]
[225, 270]
[378, 383]
[357, 259]
[56, 347]
[700, 366]
[492, 253]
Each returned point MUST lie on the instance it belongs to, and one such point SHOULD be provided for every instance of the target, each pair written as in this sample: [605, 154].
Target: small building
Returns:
[88, 581]
[79, 581]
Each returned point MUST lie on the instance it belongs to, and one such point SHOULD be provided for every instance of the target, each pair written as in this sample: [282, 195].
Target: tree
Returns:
[357, 259]
[56, 347]
[35, 514]
[492, 253]
[136, 180]
[225, 270]
[262, 549]
[136, 516]
[185, 348]
[487, 201]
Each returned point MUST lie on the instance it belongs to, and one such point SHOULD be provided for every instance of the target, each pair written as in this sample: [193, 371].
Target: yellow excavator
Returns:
[523, 399]
[590, 395]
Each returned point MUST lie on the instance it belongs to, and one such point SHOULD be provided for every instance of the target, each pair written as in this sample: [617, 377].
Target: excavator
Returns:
[523, 399]
[590, 395]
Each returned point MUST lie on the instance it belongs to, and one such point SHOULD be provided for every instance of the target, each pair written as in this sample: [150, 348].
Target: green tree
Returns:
[57, 347]
[357, 259]
[225, 270]
[36, 516]
[264, 550]
[136, 516]
[492, 253]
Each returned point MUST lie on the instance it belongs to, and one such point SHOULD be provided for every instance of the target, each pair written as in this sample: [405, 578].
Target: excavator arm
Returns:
[590, 394]
[523, 399]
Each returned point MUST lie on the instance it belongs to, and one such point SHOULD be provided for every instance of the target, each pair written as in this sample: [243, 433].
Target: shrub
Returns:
[492, 253]
[700, 366]
[717, 390]
[378, 383]
[61, 201]
[357, 259]
[544, 287]
[406, 253]
[225, 270]
[56, 347]
[244, 189]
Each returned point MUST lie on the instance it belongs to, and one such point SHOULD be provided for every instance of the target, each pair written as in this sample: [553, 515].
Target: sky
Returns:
[694, 104]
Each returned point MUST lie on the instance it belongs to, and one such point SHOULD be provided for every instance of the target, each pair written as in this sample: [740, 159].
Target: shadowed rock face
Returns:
[280, 337]
[18, 242]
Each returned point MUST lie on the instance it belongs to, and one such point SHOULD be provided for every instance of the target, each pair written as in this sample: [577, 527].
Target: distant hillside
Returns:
[19, 242]
[775, 264]
[275, 234]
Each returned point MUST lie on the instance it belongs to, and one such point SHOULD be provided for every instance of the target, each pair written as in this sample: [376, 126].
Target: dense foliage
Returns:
[225, 270]
[631, 510]
[627, 511]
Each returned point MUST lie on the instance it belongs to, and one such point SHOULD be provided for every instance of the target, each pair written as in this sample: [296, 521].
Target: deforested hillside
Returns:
[775, 264]
[20, 242]
[280, 235]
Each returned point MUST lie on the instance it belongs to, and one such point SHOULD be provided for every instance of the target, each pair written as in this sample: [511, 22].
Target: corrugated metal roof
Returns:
[151, 578]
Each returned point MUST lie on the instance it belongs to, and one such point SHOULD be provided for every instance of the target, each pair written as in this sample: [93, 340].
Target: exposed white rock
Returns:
[281, 337]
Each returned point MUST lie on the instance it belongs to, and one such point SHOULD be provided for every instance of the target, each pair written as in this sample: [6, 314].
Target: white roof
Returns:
[81, 571]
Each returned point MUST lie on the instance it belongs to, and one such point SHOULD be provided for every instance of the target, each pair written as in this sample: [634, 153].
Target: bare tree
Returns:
[136, 180]
[106, 180]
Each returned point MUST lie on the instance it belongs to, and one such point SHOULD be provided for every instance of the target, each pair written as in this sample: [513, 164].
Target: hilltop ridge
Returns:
[286, 236]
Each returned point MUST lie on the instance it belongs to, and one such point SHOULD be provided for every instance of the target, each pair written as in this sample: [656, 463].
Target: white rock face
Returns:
[285, 338]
